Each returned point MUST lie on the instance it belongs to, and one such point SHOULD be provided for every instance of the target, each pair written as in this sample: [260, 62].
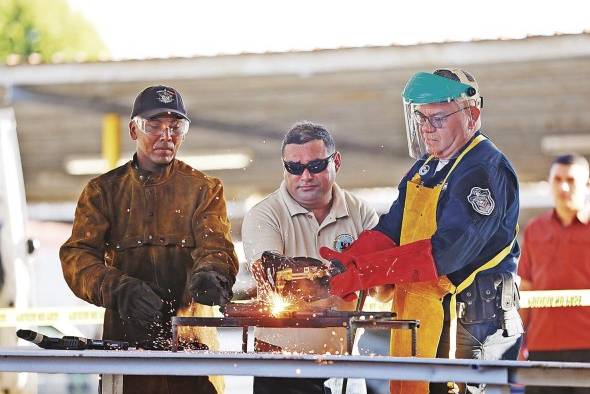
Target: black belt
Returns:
[487, 297]
[492, 297]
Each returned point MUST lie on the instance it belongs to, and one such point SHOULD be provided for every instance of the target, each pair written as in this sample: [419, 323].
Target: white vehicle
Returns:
[15, 247]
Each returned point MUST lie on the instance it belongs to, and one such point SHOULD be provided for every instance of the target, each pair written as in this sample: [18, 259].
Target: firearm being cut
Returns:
[70, 342]
[79, 343]
[301, 278]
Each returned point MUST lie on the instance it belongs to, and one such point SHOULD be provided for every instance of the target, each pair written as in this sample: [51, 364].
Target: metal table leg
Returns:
[174, 336]
[111, 384]
[350, 331]
[414, 340]
[245, 339]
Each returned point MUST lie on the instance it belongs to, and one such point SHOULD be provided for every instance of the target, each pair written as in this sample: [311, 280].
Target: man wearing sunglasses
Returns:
[307, 211]
[150, 237]
[448, 243]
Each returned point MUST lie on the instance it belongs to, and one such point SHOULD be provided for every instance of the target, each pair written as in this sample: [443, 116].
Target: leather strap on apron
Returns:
[423, 300]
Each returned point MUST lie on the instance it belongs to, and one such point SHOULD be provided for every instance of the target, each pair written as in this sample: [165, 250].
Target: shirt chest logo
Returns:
[481, 200]
[342, 242]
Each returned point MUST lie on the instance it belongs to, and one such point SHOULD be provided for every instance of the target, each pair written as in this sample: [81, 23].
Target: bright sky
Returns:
[156, 28]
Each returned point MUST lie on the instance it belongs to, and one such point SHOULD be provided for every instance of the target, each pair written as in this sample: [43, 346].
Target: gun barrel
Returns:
[28, 335]
[107, 344]
[70, 342]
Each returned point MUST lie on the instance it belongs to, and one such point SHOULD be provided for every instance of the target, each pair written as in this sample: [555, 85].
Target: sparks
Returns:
[277, 304]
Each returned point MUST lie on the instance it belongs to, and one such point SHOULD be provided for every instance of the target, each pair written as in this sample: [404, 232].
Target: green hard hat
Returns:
[426, 88]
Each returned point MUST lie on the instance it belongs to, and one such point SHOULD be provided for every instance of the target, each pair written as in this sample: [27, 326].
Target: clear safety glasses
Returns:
[436, 121]
[176, 127]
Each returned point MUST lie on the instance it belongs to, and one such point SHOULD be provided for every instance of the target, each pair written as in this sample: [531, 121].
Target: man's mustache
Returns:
[164, 146]
[306, 184]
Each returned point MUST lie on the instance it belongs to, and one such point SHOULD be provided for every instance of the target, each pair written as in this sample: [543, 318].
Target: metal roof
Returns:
[534, 88]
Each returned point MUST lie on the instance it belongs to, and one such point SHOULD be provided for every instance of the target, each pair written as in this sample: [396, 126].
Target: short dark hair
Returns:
[571, 159]
[302, 132]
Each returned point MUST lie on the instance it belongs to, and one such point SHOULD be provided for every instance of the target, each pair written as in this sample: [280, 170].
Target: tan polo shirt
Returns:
[280, 224]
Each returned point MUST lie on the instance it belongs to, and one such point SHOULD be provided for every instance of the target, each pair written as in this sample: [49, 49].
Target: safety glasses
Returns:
[155, 127]
[314, 166]
[436, 121]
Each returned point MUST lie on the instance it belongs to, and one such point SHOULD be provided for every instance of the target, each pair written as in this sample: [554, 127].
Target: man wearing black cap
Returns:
[150, 237]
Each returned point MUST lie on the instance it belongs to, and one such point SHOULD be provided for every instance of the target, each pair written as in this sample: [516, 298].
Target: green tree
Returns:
[47, 28]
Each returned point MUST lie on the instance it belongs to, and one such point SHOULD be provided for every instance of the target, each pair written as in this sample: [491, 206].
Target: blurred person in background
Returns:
[150, 237]
[448, 243]
[556, 255]
[307, 211]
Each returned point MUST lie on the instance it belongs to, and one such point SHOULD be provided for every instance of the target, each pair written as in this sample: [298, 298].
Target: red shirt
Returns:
[556, 257]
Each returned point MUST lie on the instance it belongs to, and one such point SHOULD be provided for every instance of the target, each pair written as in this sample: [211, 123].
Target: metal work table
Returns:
[497, 374]
[351, 321]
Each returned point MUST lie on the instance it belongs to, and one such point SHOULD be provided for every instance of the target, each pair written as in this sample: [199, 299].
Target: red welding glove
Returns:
[412, 262]
[369, 241]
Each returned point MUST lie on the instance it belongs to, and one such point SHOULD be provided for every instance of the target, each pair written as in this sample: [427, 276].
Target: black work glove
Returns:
[210, 288]
[137, 301]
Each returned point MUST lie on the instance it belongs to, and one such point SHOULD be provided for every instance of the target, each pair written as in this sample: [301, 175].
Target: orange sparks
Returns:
[278, 304]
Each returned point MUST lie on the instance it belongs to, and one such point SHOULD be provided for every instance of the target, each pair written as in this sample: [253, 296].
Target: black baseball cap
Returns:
[156, 100]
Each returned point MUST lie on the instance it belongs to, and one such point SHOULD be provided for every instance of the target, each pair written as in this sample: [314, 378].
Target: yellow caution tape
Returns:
[13, 317]
[528, 299]
[554, 298]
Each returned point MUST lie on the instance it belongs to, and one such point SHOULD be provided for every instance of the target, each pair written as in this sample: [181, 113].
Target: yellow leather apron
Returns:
[423, 300]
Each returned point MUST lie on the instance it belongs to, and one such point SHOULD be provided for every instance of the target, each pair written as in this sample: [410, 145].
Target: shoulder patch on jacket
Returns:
[481, 200]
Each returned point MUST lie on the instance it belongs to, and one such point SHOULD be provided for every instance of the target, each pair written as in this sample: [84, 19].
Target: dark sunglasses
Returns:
[314, 166]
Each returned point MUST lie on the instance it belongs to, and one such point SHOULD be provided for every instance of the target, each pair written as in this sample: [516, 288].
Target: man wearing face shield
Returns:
[151, 237]
[448, 243]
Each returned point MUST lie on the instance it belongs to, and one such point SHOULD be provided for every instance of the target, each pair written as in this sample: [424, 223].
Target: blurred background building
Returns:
[536, 91]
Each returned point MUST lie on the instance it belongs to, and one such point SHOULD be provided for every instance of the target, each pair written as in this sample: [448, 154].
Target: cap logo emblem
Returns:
[165, 96]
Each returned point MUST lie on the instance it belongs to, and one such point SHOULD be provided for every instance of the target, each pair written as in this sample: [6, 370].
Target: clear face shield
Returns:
[416, 144]
[425, 88]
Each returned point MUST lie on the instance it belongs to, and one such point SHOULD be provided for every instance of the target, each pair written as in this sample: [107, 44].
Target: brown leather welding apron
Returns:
[423, 300]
